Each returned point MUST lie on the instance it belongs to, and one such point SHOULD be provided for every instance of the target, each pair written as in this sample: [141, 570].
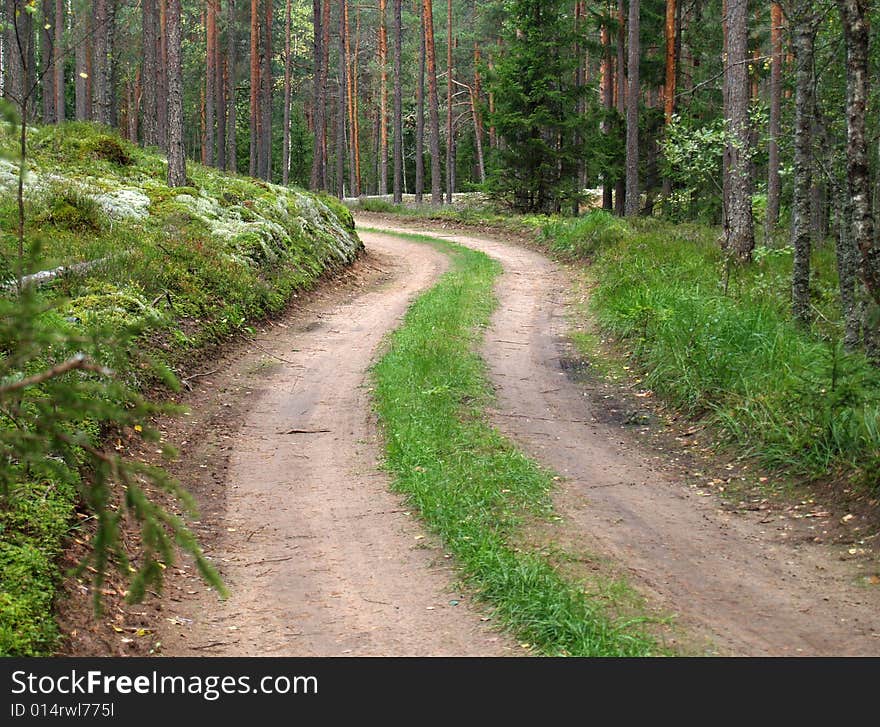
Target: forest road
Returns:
[734, 583]
[320, 557]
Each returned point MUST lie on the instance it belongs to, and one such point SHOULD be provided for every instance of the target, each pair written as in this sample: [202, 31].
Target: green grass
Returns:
[198, 265]
[790, 397]
[471, 486]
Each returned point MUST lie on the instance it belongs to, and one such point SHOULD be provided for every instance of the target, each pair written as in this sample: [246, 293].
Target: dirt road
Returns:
[736, 583]
[322, 560]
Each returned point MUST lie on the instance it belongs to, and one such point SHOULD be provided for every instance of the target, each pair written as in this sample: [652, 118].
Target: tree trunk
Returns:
[285, 139]
[47, 40]
[632, 114]
[854, 15]
[420, 111]
[266, 95]
[318, 179]
[450, 131]
[231, 142]
[398, 101]
[669, 86]
[210, 79]
[739, 231]
[773, 179]
[340, 109]
[608, 103]
[620, 187]
[102, 61]
[176, 157]
[433, 103]
[354, 190]
[253, 169]
[475, 110]
[801, 236]
[382, 59]
[162, 78]
[149, 73]
[220, 95]
[355, 113]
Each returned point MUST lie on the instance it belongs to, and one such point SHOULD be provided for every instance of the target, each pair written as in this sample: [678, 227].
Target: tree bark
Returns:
[398, 101]
[450, 131]
[285, 139]
[801, 236]
[420, 111]
[319, 178]
[620, 187]
[47, 41]
[149, 73]
[632, 114]
[231, 142]
[253, 169]
[340, 109]
[669, 86]
[220, 94]
[382, 59]
[265, 145]
[176, 157]
[608, 103]
[210, 79]
[854, 16]
[773, 180]
[102, 61]
[433, 103]
[739, 231]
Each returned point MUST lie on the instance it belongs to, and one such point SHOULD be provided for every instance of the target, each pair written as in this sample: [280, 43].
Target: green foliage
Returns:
[536, 110]
[66, 208]
[471, 485]
[583, 237]
[792, 398]
[692, 155]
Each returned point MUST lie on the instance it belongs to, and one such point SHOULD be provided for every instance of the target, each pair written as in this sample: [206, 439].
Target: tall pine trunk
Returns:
[149, 72]
[450, 131]
[854, 16]
[210, 79]
[382, 60]
[632, 114]
[265, 145]
[801, 234]
[285, 140]
[620, 187]
[176, 157]
[58, 68]
[102, 61]
[340, 108]
[318, 178]
[253, 168]
[773, 179]
[231, 142]
[433, 103]
[398, 101]
[420, 111]
[739, 231]
[47, 41]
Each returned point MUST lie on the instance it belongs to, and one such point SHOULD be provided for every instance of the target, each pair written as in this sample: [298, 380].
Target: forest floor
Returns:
[338, 565]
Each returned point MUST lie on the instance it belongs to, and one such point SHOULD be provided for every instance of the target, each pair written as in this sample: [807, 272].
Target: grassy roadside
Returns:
[192, 266]
[471, 486]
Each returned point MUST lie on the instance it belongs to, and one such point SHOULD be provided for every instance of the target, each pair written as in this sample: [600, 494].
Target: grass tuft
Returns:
[471, 486]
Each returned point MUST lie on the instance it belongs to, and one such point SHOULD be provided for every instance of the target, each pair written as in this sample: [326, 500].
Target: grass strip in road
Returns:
[471, 485]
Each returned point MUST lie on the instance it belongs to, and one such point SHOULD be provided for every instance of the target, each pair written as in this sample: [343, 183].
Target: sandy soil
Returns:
[738, 582]
[320, 557]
